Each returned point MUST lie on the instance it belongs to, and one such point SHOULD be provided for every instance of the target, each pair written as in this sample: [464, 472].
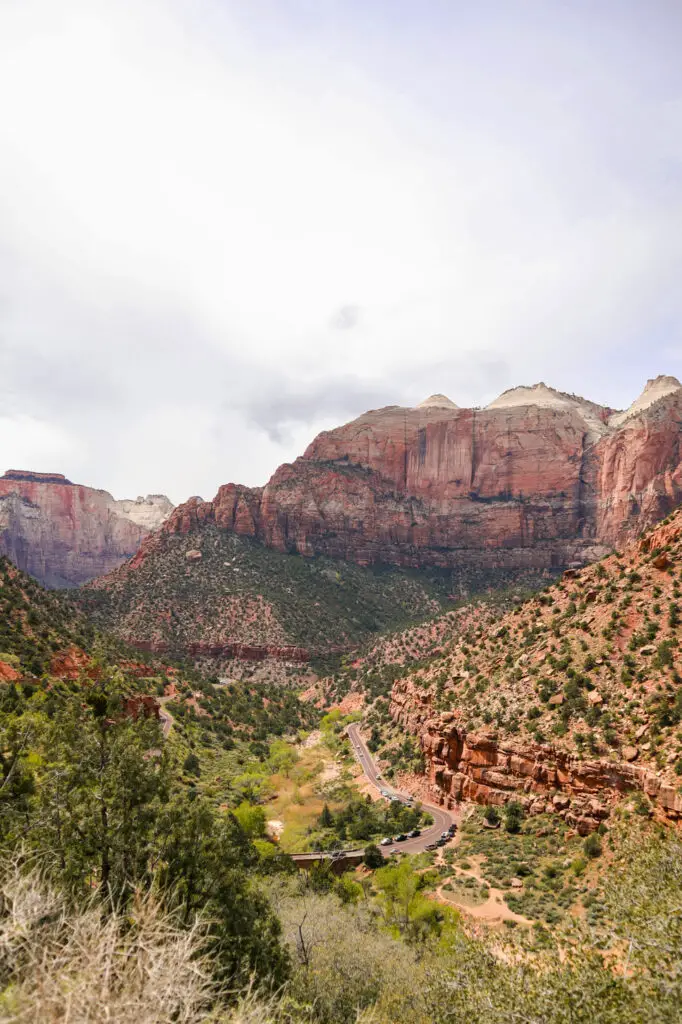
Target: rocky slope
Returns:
[42, 632]
[537, 479]
[210, 594]
[570, 701]
[65, 534]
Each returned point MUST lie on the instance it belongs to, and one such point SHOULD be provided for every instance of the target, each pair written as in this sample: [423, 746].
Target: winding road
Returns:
[165, 717]
[442, 819]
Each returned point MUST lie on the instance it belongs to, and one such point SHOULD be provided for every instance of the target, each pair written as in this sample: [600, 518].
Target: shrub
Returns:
[63, 964]
[592, 845]
[191, 764]
[513, 816]
[373, 856]
[492, 815]
[578, 865]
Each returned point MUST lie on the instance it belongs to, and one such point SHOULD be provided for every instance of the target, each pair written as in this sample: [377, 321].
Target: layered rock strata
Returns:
[537, 479]
[240, 651]
[487, 770]
[64, 534]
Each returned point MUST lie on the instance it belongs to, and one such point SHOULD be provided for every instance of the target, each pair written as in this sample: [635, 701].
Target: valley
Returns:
[278, 729]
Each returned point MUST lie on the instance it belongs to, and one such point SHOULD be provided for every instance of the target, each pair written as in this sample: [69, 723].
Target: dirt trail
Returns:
[494, 910]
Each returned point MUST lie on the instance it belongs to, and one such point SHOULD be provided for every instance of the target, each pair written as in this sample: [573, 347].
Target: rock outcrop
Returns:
[568, 702]
[537, 479]
[488, 769]
[64, 534]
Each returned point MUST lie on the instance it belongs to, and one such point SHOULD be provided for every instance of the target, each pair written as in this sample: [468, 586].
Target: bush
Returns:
[373, 858]
[59, 963]
[513, 816]
[578, 865]
[191, 764]
[492, 815]
[592, 846]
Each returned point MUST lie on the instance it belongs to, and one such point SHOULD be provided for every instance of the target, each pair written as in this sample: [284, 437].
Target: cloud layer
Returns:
[224, 227]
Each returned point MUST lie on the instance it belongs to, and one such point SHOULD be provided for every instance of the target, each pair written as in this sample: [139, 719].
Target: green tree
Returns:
[326, 819]
[282, 757]
[204, 860]
[252, 819]
[492, 815]
[103, 781]
[513, 816]
[373, 857]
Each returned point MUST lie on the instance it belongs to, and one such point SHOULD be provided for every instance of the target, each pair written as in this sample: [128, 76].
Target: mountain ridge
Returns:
[64, 533]
[522, 484]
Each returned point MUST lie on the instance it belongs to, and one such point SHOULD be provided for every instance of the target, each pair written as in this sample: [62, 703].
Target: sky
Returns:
[226, 226]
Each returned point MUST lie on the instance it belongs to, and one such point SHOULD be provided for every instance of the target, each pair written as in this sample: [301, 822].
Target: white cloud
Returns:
[195, 196]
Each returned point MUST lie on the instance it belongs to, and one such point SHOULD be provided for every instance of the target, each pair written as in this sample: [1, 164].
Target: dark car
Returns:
[414, 833]
[441, 841]
[452, 829]
[401, 838]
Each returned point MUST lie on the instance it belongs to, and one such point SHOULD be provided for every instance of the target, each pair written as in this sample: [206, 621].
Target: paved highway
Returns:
[165, 717]
[441, 818]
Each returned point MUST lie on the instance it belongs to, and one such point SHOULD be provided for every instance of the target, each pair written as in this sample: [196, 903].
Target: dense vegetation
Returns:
[360, 820]
[137, 885]
[239, 591]
[35, 623]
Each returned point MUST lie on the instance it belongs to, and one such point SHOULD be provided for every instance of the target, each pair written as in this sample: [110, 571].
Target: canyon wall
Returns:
[535, 480]
[489, 770]
[64, 534]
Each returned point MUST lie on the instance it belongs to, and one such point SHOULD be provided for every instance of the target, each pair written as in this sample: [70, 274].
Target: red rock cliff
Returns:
[538, 478]
[64, 534]
[489, 770]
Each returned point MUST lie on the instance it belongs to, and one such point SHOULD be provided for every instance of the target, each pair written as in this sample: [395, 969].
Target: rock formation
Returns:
[554, 703]
[489, 769]
[537, 479]
[65, 534]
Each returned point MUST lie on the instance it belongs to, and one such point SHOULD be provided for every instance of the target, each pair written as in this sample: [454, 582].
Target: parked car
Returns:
[431, 846]
[401, 838]
[386, 841]
[441, 841]
[414, 833]
[452, 829]
[445, 835]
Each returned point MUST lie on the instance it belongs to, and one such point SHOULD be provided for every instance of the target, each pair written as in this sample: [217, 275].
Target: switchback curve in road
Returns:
[442, 819]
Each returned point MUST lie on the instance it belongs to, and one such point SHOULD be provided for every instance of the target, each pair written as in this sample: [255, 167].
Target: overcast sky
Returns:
[227, 225]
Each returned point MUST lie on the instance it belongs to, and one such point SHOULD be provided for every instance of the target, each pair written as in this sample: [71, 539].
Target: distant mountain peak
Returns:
[654, 389]
[437, 402]
[37, 478]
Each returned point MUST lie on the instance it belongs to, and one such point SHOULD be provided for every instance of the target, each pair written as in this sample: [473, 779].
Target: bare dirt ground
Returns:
[493, 911]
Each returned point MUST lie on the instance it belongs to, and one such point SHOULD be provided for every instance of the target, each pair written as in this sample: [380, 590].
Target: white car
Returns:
[386, 842]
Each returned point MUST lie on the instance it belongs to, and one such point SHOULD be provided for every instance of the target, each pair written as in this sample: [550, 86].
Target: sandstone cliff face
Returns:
[491, 770]
[65, 534]
[594, 663]
[537, 479]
